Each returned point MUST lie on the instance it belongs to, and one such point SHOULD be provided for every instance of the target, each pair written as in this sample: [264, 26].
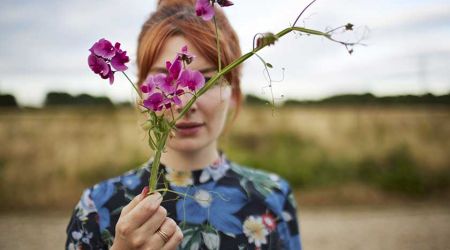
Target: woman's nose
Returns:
[184, 101]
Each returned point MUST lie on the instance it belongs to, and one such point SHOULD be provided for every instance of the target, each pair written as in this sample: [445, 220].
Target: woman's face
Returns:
[204, 122]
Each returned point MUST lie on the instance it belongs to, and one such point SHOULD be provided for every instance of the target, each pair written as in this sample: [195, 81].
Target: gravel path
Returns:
[396, 228]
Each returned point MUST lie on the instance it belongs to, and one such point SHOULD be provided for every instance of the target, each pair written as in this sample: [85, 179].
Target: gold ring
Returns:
[163, 235]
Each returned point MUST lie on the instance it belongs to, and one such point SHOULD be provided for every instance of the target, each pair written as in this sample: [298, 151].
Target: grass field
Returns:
[48, 156]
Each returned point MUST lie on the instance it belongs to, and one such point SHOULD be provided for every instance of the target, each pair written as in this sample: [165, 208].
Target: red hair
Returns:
[178, 17]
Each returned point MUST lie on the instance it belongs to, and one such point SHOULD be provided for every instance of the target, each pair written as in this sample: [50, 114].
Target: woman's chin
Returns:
[185, 145]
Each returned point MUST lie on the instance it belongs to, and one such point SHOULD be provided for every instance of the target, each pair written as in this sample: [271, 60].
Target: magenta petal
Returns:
[111, 77]
[176, 100]
[154, 102]
[103, 48]
[166, 83]
[198, 80]
[192, 79]
[98, 65]
[204, 9]
[149, 85]
[184, 78]
[175, 68]
[184, 55]
[159, 79]
[184, 49]
[144, 88]
[179, 92]
[119, 60]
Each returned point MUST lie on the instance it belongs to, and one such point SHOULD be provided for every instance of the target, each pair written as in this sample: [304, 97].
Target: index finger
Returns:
[133, 203]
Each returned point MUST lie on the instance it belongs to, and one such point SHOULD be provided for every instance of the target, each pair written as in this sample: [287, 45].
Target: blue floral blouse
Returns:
[228, 206]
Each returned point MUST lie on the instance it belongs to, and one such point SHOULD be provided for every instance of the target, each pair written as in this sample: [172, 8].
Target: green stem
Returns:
[209, 84]
[240, 60]
[218, 45]
[155, 164]
[132, 84]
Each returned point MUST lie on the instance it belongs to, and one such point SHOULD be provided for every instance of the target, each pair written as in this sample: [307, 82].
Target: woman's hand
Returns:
[143, 224]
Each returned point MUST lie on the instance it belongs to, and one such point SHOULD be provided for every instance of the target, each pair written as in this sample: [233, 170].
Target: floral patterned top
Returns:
[233, 207]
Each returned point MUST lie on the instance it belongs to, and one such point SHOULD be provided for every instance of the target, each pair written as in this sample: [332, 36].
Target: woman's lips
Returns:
[188, 128]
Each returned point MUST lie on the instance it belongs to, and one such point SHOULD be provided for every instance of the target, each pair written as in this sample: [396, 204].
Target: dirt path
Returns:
[321, 228]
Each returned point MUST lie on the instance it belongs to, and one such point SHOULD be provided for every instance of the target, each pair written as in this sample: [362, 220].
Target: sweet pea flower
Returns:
[204, 9]
[184, 55]
[154, 102]
[174, 99]
[119, 59]
[103, 48]
[99, 66]
[174, 68]
[104, 55]
[192, 79]
[168, 83]
[164, 90]
[110, 76]
[149, 85]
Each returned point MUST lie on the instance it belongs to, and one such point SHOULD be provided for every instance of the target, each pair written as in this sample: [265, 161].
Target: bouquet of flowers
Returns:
[161, 92]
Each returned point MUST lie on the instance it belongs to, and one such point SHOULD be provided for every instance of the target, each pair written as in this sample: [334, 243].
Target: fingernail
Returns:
[144, 191]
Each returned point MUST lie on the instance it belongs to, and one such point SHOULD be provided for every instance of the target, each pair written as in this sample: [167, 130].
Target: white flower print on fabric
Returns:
[203, 198]
[216, 171]
[86, 205]
[255, 230]
[212, 240]
[287, 216]
[179, 178]
[84, 236]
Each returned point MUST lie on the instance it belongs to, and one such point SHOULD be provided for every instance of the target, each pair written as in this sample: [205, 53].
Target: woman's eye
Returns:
[215, 84]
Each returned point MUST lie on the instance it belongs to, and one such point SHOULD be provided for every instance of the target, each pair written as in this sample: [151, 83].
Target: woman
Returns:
[226, 205]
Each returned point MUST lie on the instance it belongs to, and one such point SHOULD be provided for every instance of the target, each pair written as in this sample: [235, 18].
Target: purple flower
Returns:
[174, 99]
[168, 83]
[154, 102]
[204, 9]
[149, 85]
[192, 79]
[185, 56]
[103, 56]
[110, 76]
[103, 48]
[174, 68]
[119, 59]
[98, 65]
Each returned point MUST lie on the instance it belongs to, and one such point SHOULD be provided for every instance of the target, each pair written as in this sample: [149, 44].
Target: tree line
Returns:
[65, 99]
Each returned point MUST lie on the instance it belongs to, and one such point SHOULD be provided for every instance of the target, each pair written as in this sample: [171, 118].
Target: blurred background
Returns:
[363, 138]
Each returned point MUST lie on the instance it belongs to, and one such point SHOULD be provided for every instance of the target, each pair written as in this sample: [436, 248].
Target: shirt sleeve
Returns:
[291, 219]
[83, 231]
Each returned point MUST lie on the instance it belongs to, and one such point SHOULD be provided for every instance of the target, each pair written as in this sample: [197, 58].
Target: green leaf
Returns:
[269, 65]
[260, 180]
[192, 237]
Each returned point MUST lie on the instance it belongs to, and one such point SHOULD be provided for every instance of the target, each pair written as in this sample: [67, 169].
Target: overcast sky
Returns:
[44, 46]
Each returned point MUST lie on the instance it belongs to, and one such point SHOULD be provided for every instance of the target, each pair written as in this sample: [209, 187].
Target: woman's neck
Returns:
[188, 161]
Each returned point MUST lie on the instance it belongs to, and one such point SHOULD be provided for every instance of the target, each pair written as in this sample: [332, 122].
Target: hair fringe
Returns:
[165, 3]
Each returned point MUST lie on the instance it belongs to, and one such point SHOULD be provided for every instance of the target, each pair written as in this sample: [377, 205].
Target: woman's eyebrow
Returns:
[158, 70]
[208, 70]
[164, 70]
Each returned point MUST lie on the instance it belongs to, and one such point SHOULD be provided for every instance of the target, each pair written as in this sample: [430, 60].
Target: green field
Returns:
[48, 156]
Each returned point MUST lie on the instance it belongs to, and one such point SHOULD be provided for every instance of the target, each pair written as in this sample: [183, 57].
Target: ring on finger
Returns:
[163, 235]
